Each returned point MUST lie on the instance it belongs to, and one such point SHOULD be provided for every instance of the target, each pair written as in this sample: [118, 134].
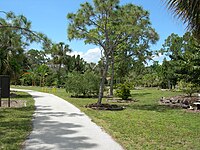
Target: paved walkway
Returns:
[58, 125]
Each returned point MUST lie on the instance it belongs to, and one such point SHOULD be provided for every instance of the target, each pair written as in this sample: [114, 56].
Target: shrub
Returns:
[86, 84]
[188, 88]
[123, 91]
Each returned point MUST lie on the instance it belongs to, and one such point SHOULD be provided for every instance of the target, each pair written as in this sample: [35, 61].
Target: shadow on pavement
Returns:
[57, 134]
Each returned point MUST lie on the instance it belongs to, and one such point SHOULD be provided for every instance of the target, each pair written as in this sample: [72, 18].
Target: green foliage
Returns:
[188, 88]
[15, 36]
[36, 57]
[188, 11]
[86, 84]
[110, 26]
[185, 59]
[123, 91]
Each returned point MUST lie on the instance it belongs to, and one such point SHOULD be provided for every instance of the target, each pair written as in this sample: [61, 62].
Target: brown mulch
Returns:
[181, 101]
[104, 107]
[13, 103]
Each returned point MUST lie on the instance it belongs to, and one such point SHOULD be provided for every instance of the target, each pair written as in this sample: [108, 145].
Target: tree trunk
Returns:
[58, 76]
[102, 84]
[112, 75]
[43, 80]
[168, 83]
[40, 81]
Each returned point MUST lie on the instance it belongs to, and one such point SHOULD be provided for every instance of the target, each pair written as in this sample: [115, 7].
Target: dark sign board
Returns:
[5, 88]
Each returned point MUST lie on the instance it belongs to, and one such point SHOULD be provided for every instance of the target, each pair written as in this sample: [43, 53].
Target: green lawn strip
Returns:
[145, 124]
[16, 123]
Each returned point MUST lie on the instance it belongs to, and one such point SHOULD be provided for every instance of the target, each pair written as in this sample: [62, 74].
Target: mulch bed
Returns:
[13, 103]
[105, 107]
[180, 101]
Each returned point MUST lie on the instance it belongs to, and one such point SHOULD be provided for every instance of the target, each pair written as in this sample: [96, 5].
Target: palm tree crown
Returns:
[188, 11]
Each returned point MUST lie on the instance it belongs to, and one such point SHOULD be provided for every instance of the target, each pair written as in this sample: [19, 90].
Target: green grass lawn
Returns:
[16, 123]
[145, 124]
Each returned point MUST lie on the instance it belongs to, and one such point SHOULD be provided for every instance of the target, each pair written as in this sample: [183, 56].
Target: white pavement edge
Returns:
[59, 125]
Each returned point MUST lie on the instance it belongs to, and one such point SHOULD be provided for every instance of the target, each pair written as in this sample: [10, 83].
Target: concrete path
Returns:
[58, 125]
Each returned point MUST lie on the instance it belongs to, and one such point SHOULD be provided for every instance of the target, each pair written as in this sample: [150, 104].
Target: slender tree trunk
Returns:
[169, 84]
[112, 75]
[40, 81]
[102, 84]
[58, 75]
[43, 80]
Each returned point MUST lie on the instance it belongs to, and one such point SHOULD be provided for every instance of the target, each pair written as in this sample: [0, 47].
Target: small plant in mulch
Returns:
[104, 106]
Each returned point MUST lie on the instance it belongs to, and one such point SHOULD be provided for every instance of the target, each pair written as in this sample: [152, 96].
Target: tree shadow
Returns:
[152, 107]
[140, 94]
[57, 134]
[15, 94]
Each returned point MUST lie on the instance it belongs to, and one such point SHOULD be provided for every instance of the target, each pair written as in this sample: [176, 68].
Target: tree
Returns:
[33, 74]
[169, 76]
[15, 35]
[36, 57]
[79, 64]
[60, 57]
[188, 11]
[43, 71]
[107, 25]
[76, 84]
[185, 57]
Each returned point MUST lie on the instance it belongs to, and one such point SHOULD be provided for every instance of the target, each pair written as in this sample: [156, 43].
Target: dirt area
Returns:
[13, 103]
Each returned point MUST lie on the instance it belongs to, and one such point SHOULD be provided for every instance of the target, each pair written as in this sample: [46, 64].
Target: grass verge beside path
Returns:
[16, 123]
[145, 124]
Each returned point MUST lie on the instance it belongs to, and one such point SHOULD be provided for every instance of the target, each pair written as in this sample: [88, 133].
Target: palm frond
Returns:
[188, 11]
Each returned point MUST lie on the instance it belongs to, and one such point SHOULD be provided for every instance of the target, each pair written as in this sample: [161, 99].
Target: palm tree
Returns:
[43, 71]
[60, 57]
[188, 11]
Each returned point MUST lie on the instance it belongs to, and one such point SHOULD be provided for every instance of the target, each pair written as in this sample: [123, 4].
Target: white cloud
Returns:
[158, 57]
[92, 55]
[76, 53]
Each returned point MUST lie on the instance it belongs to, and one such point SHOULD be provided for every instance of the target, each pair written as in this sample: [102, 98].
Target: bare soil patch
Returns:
[13, 103]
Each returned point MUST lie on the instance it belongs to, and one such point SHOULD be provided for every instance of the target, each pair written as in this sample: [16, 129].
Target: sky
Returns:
[49, 17]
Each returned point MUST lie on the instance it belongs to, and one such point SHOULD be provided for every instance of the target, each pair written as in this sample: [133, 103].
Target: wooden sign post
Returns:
[5, 88]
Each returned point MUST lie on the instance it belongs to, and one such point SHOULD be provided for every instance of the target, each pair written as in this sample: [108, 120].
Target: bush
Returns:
[123, 91]
[188, 88]
[86, 84]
